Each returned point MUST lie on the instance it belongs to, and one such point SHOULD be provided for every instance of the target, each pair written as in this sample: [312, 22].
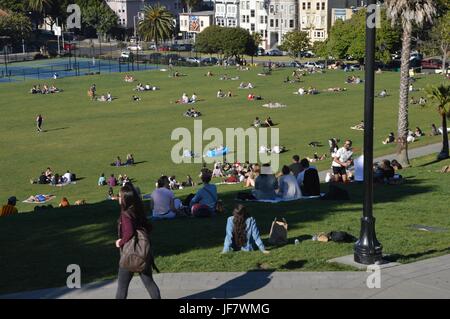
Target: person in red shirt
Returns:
[10, 208]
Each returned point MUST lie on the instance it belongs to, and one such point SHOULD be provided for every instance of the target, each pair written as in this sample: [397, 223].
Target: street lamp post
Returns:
[367, 249]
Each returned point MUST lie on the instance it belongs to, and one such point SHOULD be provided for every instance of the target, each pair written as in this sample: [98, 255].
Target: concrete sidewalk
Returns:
[413, 153]
[424, 279]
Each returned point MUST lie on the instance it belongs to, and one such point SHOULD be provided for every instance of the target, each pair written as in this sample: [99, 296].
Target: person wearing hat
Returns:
[10, 208]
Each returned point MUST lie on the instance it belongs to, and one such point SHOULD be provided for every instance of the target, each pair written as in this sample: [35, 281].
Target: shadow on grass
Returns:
[237, 287]
[294, 264]
[85, 235]
[403, 258]
[56, 129]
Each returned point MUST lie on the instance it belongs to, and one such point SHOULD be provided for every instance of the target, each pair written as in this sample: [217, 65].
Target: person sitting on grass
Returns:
[217, 171]
[418, 132]
[434, 130]
[101, 180]
[384, 172]
[242, 233]
[257, 122]
[422, 101]
[203, 204]
[390, 139]
[111, 195]
[164, 205]
[193, 98]
[64, 202]
[288, 186]
[9, 208]
[265, 184]
[316, 158]
[220, 94]
[112, 181]
[396, 165]
[412, 101]
[117, 162]
[268, 122]
[229, 94]
[109, 97]
[189, 182]
[136, 98]
[130, 160]
[411, 138]
[383, 93]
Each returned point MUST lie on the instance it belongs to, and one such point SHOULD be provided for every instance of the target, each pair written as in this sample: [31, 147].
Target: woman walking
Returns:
[132, 218]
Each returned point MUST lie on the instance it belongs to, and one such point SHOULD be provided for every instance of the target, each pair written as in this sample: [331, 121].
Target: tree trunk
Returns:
[444, 152]
[403, 124]
[444, 49]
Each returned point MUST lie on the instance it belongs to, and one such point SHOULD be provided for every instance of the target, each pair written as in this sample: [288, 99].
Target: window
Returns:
[265, 33]
[248, 5]
[243, 19]
[242, 5]
[265, 19]
[252, 13]
[271, 9]
[291, 23]
[201, 23]
[252, 27]
[323, 5]
[276, 23]
[271, 23]
[322, 21]
[261, 19]
[309, 5]
[318, 6]
[304, 5]
[261, 5]
[291, 9]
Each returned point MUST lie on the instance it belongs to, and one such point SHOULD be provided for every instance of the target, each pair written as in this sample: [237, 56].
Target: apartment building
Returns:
[227, 13]
[254, 18]
[283, 18]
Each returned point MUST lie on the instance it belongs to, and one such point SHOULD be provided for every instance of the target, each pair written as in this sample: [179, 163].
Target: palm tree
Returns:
[157, 25]
[408, 13]
[439, 97]
[39, 5]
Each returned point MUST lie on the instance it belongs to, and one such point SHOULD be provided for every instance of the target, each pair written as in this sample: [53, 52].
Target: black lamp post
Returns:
[367, 249]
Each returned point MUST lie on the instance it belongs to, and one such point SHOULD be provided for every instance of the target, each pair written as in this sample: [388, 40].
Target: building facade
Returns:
[195, 22]
[226, 13]
[283, 18]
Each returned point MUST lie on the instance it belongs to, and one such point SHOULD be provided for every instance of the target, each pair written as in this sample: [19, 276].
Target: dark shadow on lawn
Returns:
[56, 129]
[294, 264]
[430, 163]
[237, 287]
[400, 257]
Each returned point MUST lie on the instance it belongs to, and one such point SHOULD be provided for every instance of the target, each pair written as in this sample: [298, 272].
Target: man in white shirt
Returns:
[341, 161]
[67, 177]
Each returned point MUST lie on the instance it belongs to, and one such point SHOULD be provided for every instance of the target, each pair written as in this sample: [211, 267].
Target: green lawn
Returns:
[86, 136]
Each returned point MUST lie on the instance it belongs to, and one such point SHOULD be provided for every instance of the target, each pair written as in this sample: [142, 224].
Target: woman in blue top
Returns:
[242, 232]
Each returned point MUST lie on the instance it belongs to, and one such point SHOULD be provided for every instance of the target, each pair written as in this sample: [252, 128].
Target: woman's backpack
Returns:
[278, 232]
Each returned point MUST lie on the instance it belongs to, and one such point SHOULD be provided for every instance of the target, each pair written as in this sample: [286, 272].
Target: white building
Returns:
[254, 18]
[195, 22]
[283, 18]
[316, 16]
[226, 13]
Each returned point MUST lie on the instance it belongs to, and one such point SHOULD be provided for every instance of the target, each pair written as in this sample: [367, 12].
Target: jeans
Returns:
[125, 277]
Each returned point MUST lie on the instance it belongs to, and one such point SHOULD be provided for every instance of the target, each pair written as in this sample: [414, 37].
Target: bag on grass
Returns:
[278, 232]
[341, 237]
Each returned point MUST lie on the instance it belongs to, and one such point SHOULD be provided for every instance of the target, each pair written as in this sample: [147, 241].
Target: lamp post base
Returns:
[368, 250]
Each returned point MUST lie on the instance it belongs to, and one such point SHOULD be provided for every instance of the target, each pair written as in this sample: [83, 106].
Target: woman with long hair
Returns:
[132, 218]
[242, 232]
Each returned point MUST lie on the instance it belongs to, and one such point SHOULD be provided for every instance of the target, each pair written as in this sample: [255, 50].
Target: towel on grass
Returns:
[39, 199]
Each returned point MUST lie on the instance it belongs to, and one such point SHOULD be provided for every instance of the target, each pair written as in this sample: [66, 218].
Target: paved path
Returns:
[424, 279]
[413, 153]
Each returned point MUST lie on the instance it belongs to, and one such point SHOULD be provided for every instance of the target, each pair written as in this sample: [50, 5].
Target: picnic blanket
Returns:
[279, 200]
[356, 128]
[39, 199]
[217, 152]
[274, 105]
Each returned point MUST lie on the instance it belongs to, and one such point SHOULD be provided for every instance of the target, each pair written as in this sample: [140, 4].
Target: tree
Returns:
[16, 26]
[157, 24]
[236, 42]
[441, 38]
[40, 5]
[190, 4]
[439, 96]
[210, 40]
[295, 42]
[99, 16]
[13, 5]
[407, 13]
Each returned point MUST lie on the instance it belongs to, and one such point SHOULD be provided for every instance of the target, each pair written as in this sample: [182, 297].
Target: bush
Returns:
[39, 56]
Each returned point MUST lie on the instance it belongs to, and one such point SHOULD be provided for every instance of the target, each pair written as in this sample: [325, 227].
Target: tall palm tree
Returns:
[39, 5]
[439, 97]
[157, 25]
[408, 13]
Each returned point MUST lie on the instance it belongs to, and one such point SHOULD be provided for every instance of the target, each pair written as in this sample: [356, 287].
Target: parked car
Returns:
[193, 60]
[432, 64]
[210, 60]
[274, 52]
[134, 47]
[296, 64]
[307, 54]
[163, 48]
[353, 67]
[181, 47]
[260, 52]
[314, 65]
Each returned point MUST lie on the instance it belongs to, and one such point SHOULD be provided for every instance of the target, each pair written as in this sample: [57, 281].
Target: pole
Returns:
[367, 249]
[59, 48]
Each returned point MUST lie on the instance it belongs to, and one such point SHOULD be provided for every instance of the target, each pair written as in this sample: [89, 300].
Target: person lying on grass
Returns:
[242, 233]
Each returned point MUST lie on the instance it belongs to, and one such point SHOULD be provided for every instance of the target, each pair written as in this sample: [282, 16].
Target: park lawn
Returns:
[38, 247]
[85, 136]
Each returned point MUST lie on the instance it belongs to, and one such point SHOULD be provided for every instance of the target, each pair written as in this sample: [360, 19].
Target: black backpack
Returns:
[341, 237]
[311, 183]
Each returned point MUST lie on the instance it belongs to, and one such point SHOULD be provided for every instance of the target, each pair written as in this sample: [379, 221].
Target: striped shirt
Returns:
[8, 210]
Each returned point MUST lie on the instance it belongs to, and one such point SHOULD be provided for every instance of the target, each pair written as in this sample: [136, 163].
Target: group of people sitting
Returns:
[276, 149]
[411, 137]
[48, 177]
[220, 94]
[267, 122]
[309, 91]
[186, 100]
[422, 101]
[140, 87]
[227, 77]
[353, 80]
[253, 97]
[128, 78]
[36, 89]
[105, 98]
[192, 113]
[129, 161]
[246, 85]
[386, 171]
[112, 181]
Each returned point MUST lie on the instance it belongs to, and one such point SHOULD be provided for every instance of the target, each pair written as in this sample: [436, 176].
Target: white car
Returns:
[193, 60]
[314, 65]
[125, 54]
[134, 47]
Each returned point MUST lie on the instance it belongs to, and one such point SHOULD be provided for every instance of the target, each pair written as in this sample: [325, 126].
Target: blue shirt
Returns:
[206, 197]
[265, 186]
[252, 233]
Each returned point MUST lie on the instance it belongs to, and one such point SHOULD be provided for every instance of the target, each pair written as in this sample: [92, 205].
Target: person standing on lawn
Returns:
[39, 120]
